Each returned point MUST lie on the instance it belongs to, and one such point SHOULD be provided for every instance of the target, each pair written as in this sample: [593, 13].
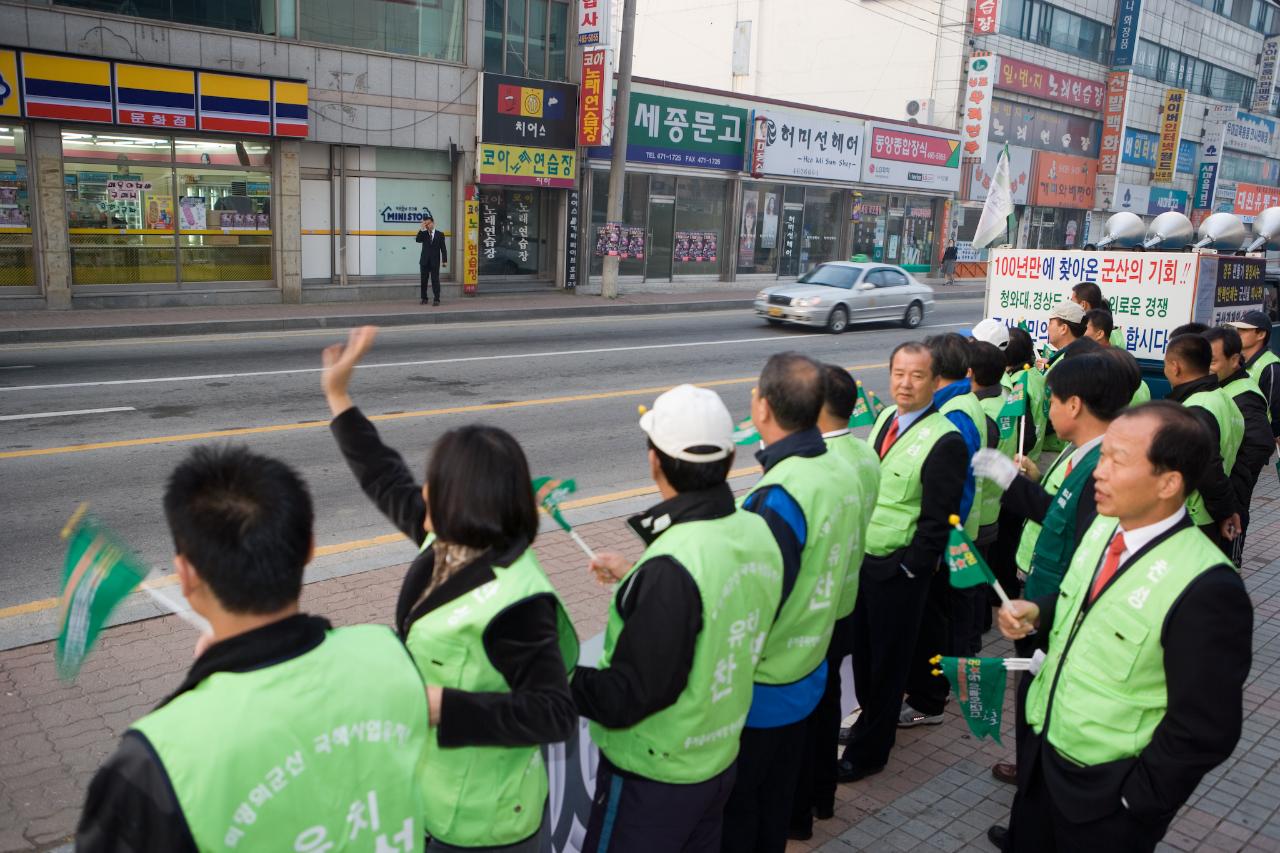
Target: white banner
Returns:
[1252, 133]
[1019, 173]
[811, 146]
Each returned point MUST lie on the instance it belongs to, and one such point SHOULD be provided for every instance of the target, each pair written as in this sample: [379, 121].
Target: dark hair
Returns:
[987, 363]
[1189, 329]
[1100, 319]
[1077, 329]
[839, 391]
[479, 492]
[1128, 366]
[1096, 380]
[693, 476]
[1091, 293]
[1091, 247]
[918, 348]
[1021, 349]
[1231, 344]
[950, 353]
[1180, 443]
[1192, 350]
[244, 522]
[792, 385]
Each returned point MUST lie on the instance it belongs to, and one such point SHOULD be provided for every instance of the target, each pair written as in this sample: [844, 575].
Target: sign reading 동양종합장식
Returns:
[901, 156]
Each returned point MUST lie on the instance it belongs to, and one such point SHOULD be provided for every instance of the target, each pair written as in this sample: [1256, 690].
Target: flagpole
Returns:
[586, 549]
[1026, 409]
[191, 618]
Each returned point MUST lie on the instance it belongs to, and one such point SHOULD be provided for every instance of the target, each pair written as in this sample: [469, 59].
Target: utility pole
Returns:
[621, 124]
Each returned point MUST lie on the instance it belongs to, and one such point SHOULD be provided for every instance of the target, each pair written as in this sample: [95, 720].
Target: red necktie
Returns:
[1069, 466]
[1109, 565]
[889, 437]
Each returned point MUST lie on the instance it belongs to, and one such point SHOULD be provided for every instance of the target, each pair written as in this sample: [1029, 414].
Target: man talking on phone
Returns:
[434, 254]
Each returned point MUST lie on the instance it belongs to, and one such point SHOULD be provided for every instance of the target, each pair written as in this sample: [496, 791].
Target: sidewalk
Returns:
[44, 326]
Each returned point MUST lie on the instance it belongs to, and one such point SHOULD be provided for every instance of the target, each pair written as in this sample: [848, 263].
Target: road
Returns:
[567, 389]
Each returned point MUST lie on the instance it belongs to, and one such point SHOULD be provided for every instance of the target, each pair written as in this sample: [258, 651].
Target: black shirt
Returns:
[1255, 447]
[1219, 497]
[1269, 382]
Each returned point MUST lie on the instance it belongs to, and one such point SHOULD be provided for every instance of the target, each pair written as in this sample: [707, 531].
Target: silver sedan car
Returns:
[842, 292]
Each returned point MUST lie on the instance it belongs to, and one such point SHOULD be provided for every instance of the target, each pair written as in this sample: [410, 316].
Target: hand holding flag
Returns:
[978, 684]
[745, 432]
[967, 568]
[549, 492]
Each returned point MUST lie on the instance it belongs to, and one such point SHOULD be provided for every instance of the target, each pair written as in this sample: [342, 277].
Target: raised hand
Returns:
[339, 361]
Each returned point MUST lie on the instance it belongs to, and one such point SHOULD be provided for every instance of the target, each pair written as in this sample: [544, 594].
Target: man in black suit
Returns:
[434, 253]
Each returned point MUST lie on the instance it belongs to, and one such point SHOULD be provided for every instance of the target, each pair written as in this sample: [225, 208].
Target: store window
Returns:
[635, 207]
[429, 28]
[700, 216]
[917, 235]
[1056, 228]
[159, 210]
[527, 38]
[821, 227]
[513, 231]
[868, 221]
[758, 244]
[17, 257]
[246, 16]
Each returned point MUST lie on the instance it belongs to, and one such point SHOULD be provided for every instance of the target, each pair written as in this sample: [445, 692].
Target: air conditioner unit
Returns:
[920, 111]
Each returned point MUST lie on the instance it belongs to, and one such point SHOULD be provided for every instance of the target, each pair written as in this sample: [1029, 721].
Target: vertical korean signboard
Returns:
[1215, 125]
[1170, 135]
[595, 108]
[986, 17]
[593, 22]
[572, 222]
[1128, 26]
[1113, 122]
[1264, 90]
[470, 241]
[983, 69]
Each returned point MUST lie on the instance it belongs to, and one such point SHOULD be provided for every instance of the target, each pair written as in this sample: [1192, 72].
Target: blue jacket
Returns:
[973, 439]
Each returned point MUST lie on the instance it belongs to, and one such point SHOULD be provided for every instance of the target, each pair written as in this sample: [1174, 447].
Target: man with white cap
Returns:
[1261, 363]
[686, 629]
[1067, 329]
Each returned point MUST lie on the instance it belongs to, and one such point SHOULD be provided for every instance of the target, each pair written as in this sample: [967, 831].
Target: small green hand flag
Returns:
[549, 493]
[1015, 406]
[867, 408]
[979, 688]
[745, 432]
[1024, 326]
[1047, 352]
[98, 574]
[966, 565]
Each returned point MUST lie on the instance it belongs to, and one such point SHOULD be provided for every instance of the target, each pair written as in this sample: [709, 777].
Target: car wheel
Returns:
[839, 320]
[914, 315]
[773, 321]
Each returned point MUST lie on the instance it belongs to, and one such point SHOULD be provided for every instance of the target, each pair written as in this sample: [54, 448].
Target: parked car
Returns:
[836, 294]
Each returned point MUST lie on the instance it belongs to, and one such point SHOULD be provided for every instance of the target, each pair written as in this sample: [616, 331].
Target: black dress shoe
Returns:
[824, 812]
[846, 772]
[1005, 772]
[437, 302]
[998, 835]
[797, 833]
[422, 302]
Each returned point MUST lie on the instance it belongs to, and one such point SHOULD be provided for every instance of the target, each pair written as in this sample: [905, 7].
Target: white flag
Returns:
[997, 212]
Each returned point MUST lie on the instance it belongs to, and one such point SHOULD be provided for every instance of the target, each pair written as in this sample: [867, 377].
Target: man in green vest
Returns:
[923, 466]
[1148, 647]
[1261, 363]
[286, 734]
[686, 628]
[1088, 296]
[816, 518]
[1256, 444]
[1067, 336]
[1098, 327]
[1187, 359]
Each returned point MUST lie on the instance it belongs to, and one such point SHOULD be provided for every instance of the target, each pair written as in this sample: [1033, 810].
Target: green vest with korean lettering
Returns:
[866, 483]
[1051, 443]
[482, 796]
[1230, 434]
[989, 512]
[970, 406]
[897, 512]
[736, 565]
[1102, 687]
[1246, 385]
[1037, 405]
[1052, 482]
[1056, 543]
[834, 525]
[257, 763]
[1255, 369]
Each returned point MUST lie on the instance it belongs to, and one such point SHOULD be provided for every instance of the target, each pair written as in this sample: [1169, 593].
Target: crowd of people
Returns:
[716, 705]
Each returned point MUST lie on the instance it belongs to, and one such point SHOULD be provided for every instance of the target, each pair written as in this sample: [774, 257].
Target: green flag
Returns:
[550, 492]
[745, 432]
[98, 574]
[1022, 324]
[979, 687]
[966, 565]
[1046, 352]
[866, 409]
[1015, 406]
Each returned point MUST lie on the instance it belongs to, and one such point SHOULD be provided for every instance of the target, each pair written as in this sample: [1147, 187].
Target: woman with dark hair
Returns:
[484, 625]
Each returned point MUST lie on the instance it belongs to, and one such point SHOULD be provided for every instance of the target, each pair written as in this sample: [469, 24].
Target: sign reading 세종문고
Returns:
[1150, 293]
[678, 132]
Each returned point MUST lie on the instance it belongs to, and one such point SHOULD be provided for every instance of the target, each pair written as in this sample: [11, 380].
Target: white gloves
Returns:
[993, 465]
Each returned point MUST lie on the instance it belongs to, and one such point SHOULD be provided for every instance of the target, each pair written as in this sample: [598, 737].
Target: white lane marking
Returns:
[16, 366]
[67, 414]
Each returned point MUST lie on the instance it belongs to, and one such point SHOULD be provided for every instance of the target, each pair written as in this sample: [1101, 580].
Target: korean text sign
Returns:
[1151, 293]
[977, 104]
[1252, 199]
[1264, 89]
[1238, 288]
[1170, 134]
[593, 22]
[986, 17]
[1045, 130]
[685, 133]
[1038, 81]
[595, 110]
[811, 146]
[1128, 27]
[897, 156]
[1060, 180]
[517, 165]
[470, 241]
[520, 111]
[1113, 122]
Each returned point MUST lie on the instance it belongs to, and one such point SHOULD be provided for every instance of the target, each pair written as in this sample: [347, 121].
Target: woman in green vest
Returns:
[478, 615]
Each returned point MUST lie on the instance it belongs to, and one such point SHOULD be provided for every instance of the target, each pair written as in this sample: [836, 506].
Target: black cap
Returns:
[1253, 320]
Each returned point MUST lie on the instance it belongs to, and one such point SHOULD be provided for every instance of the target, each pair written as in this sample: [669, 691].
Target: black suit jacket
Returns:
[434, 251]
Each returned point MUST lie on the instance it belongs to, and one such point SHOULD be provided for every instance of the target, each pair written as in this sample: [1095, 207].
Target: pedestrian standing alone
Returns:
[484, 625]
[949, 256]
[434, 255]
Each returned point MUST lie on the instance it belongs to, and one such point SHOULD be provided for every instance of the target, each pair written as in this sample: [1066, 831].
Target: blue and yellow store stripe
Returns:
[235, 104]
[289, 101]
[147, 96]
[64, 87]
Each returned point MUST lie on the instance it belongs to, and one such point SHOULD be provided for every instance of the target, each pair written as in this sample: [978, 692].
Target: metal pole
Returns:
[621, 123]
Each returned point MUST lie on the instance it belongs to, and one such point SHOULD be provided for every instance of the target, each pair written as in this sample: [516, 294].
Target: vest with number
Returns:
[737, 568]
[866, 484]
[834, 526]
[897, 512]
[482, 796]
[971, 407]
[1246, 385]
[277, 758]
[1036, 391]
[1051, 482]
[1056, 543]
[1267, 358]
[1230, 434]
[1008, 445]
[1102, 686]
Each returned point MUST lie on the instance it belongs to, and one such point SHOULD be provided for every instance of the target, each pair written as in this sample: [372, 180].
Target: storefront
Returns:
[895, 228]
[17, 255]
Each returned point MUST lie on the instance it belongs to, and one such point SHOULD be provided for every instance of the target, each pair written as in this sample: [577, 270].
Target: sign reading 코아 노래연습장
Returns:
[1150, 292]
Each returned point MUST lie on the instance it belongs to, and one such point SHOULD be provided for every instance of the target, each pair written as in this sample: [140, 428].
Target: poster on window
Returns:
[769, 224]
[159, 213]
[747, 240]
[192, 209]
[609, 240]
[634, 246]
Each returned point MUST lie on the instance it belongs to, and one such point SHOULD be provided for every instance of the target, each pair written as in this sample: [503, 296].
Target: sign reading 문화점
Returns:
[1040, 82]
[986, 17]
[1249, 132]
[678, 132]
[1019, 173]
[525, 112]
[810, 146]
[595, 109]
[1113, 122]
[573, 221]
[593, 22]
[518, 165]
[917, 158]
[1170, 134]
[1264, 90]
[1151, 293]
[1252, 199]
[976, 126]
[1239, 288]
[1060, 180]
[1044, 130]
[1128, 28]
[470, 240]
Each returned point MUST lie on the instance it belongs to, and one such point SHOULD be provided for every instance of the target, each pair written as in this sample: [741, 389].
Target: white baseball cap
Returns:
[687, 417]
[993, 332]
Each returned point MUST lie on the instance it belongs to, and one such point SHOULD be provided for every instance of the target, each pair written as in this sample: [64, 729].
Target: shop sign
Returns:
[1239, 288]
[1019, 173]
[684, 133]
[122, 190]
[572, 222]
[1060, 180]
[1249, 132]
[986, 17]
[983, 69]
[1150, 292]
[232, 103]
[155, 97]
[1215, 134]
[519, 204]
[593, 22]
[759, 141]
[518, 165]
[789, 263]
[1045, 130]
[1142, 199]
[1040, 82]
[1163, 199]
[9, 84]
[1113, 121]
[489, 228]
[289, 108]
[595, 110]
[1140, 150]
[1128, 27]
[523, 112]
[695, 247]
[1264, 89]
[809, 146]
[1170, 134]
[915, 158]
[405, 214]
[1252, 199]
[471, 240]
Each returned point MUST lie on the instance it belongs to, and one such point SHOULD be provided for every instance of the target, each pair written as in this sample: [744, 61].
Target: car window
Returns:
[873, 277]
[891, 278]
[831, 275]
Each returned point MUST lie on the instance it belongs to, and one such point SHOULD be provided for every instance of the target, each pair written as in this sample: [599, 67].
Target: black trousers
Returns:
[430, 276]
[756, 816]
[1003, 555]
[631, 814]
[926, 692]
[816, 783]
[885, 630]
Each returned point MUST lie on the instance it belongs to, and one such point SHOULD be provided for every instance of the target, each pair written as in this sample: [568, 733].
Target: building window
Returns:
[246, 16]
[17, 258]
[432, 28]
[1174, 68]
[527, 38]
[1052, 26]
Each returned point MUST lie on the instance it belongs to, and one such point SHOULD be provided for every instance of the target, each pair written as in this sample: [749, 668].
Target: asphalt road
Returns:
[567, 389]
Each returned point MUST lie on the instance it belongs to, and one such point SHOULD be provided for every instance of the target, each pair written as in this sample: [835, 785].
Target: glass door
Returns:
[662, 218]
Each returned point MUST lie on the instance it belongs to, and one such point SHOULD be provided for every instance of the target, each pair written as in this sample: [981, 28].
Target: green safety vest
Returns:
[893, 524]
[1255, 369]
[1117, 338]
[736, 565]
[866, 483]
[279, 758]
[1052, 482]
[1051, 443]
[1036, 391]
[1246, 385]
[1142, 395]
[971, 407]
[992, 496]
[1102, 685]
[482, 796]
[835, 528]
[1230, 435]
[1054, 546]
